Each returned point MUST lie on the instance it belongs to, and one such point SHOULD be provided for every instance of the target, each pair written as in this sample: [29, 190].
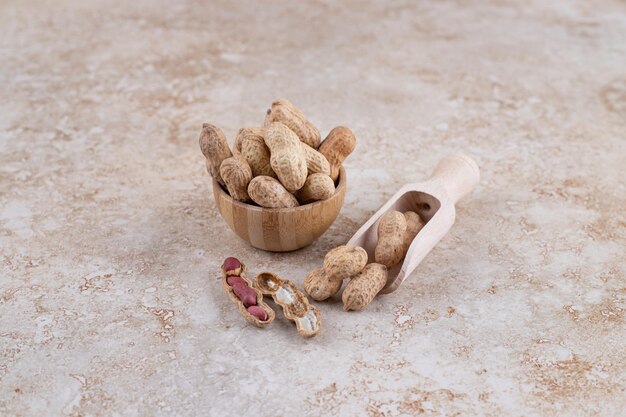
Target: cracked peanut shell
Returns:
[295, 305]
[242, 308]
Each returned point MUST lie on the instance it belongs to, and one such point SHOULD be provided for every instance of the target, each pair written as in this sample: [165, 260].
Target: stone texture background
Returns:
[110, 241]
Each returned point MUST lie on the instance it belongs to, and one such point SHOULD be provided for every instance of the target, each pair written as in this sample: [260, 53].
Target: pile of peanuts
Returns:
[282, 164]
[246, 295]
[396, 231]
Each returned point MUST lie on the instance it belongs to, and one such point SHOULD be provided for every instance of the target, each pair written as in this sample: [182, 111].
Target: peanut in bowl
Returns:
[280, 229]
[296, 180]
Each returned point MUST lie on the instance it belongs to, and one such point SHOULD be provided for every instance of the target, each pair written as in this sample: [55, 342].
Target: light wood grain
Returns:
[434, 199]
[280, 229]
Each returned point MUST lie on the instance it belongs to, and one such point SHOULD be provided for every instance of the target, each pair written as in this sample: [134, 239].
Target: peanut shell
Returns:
[257, 154]
[287, 156]
[242, 309]
[345, 261]
[317, 187]
[362, 288]
[269, 192]
[413, 225]
[320, 286]
[284, 111]
[236, 174]
[246, 132]
[294, 303]
[214, 147]
[339, 143]
[315, 161]
[390, 246]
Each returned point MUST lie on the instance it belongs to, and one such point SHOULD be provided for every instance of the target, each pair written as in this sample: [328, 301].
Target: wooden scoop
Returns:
[434, 200]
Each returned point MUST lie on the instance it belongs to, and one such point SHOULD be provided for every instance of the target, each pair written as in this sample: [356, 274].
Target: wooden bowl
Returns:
[280, 229]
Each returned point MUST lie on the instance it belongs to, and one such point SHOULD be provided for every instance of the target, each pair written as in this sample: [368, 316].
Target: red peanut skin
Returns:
[231, 264]
[234, 279]
[245, 294]
[258, 312]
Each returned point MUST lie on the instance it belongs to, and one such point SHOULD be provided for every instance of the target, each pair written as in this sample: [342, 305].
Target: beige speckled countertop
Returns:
[110, 241]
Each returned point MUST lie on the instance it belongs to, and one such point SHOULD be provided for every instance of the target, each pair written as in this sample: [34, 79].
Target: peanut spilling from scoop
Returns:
[287, 156]
[339, 143]
[214, 147]
[236, 174]
[396, 231]
[284, 111]
[345, 261]
[269, 192]
[320, 286]
[390, 246]
[339, 264]
[364, 286]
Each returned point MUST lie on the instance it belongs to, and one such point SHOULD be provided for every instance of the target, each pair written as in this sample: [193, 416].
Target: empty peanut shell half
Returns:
[248, 299]
[295, 304]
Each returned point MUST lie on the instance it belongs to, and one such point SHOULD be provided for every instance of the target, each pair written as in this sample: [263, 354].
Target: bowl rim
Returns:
[338, 191]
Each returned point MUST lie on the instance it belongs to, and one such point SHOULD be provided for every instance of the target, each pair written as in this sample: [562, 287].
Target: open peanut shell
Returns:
[294, 303]
[242, 308]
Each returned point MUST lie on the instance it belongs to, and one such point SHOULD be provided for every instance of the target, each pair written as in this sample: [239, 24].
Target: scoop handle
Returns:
[458, 173]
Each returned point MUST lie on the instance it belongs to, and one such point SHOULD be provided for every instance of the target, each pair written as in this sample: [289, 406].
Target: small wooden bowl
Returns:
[280, 229]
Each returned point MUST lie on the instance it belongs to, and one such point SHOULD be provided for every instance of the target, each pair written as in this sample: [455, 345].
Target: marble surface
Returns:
[110, 241]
